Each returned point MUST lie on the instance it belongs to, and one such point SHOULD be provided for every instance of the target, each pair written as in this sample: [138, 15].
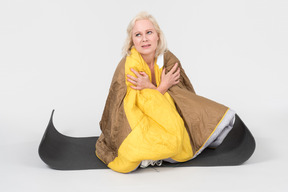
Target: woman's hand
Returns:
[169, 79]
[141, 81]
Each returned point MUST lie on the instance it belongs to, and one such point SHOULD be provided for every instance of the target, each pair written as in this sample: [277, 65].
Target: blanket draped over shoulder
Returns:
[143, 124]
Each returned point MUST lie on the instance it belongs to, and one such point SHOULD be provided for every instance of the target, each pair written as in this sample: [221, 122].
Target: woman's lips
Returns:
[146, 46]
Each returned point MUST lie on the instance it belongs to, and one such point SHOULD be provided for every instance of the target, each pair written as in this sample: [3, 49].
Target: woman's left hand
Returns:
[141, 81]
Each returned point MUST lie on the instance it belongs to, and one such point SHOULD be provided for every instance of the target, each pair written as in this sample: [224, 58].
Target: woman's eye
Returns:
[137, 35]
[149, 32]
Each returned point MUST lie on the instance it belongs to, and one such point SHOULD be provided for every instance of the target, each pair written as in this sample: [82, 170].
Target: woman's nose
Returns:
[144, 38]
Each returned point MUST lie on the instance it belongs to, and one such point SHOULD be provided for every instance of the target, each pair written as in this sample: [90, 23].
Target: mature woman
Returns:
[152, 112]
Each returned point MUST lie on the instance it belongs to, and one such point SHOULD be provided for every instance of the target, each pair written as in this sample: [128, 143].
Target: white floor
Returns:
[22, 169]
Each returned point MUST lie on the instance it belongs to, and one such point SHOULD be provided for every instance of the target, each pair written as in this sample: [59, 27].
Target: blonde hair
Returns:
[162, 44]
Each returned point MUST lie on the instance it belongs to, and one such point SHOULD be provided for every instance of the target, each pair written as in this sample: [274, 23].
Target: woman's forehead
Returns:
[143, 25]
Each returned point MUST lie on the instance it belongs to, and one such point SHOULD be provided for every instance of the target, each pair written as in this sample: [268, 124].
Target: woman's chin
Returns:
[146, 51]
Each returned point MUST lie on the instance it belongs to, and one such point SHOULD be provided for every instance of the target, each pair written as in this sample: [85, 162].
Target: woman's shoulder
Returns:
[170, 59]
[134, 60]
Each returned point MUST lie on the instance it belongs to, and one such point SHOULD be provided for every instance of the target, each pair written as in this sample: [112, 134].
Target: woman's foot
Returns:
[146, 163]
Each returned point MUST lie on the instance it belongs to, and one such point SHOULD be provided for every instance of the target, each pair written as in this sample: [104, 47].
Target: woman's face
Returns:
[145, 37]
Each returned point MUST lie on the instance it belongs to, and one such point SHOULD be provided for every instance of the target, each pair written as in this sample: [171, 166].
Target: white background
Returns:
[61, 55]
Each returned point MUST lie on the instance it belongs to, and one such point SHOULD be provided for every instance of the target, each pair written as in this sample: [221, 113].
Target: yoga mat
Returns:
[62, 152]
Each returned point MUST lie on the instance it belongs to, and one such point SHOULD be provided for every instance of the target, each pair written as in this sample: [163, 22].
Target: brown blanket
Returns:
[201, 115]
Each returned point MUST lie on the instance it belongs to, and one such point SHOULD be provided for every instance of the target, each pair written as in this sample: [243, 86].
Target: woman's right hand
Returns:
[169, 79]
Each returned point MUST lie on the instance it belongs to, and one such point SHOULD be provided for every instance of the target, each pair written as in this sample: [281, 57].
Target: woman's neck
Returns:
[149, 59]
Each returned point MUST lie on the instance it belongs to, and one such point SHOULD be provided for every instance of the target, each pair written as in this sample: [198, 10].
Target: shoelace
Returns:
[158, 163]
[146, 163]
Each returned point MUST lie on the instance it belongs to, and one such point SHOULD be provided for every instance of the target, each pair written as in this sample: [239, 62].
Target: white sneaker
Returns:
[159, 163]
[146, 163]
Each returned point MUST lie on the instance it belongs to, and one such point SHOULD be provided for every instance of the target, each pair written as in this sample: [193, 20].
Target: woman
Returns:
[152, 113]
[144, 37]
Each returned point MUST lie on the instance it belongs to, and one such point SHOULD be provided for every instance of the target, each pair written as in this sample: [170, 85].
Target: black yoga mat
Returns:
[77, 153]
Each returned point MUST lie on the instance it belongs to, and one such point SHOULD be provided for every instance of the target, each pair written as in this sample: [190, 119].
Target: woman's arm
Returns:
[142, 80]
[169, 79]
